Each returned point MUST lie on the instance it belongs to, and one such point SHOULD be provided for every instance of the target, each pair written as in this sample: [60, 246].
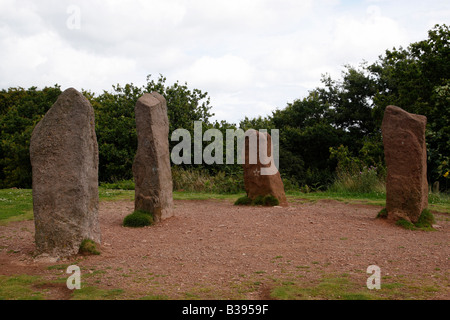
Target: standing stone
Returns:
[151, 167]
[406, 160]
[64, 159]
[257, 184]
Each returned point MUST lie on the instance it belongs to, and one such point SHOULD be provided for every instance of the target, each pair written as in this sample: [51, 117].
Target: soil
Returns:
[215, 250]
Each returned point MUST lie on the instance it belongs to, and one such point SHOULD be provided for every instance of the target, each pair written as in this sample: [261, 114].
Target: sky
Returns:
[251, 56]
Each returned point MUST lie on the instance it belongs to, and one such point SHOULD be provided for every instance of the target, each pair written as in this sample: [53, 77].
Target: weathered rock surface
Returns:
[406, 160]
[64, 159]
[151, 167]
[256, 183]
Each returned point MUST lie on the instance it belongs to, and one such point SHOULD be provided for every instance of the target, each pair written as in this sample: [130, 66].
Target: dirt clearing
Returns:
[215, 250]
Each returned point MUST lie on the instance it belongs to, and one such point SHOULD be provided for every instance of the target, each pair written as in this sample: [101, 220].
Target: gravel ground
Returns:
[214, 250]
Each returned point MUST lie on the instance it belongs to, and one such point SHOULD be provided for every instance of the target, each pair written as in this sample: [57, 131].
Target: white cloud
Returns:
[251, 56]
[44, 59]
[366, 36]
[229, 73]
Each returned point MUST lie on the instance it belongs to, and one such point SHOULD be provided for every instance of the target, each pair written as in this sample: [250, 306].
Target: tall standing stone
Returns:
[64, 159]
[406, 160]
[151, 167]
[255, 181]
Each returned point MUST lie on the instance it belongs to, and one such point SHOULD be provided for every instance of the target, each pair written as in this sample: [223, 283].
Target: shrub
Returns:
[243, 201]
[258, 201]
[88, 247]
[138, 219]
[270, 201]
[198, 180]
[426, 220]
[364, 180]
[405, 224]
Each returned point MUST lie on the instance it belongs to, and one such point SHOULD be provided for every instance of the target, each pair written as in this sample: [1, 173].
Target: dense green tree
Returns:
[20, 111]
[116, 126]
[345, 112]
[416, 79]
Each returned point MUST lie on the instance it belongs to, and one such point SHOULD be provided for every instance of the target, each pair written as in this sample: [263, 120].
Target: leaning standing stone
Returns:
[151, 167]
[64, 159]
[406, 160]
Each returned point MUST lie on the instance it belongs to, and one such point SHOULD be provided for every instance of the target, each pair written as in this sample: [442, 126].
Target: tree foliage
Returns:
[342, 114]
[20, 111]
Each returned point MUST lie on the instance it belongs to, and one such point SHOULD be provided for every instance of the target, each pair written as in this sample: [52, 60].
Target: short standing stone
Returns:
[406, 160]
[151, 167]
[257, 184]
[64, 159]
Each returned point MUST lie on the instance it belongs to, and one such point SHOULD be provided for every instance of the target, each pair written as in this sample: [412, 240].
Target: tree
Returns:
[20, 111]
[116, 126]
[416, 79]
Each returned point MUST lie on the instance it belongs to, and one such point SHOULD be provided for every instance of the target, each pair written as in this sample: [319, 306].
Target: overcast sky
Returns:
[251, 56]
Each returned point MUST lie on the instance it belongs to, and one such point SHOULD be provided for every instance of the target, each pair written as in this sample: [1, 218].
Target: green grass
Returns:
[19, 287]
[267, 200]
[88, 247]
[344, 287]
[377, 199]
[15, 205]
[185, 195]
[120, 185]
[243, 201]
[425, 222]
[94, 293]
[105, 194]
[138, 219]
[155, 297]
[329, 287]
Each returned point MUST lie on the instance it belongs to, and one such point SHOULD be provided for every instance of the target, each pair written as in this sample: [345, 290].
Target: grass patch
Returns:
[19, 287]
[15, 205]
[243, 201]
[94, 293]
[343, 287]
[88, 247]
[155, 297]
[138, 219]
[187, 195]
[119, 185]
[425, 222]
[373, 198]
[329, 287]
[405, 224]
[268, 200]
[105, 194]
